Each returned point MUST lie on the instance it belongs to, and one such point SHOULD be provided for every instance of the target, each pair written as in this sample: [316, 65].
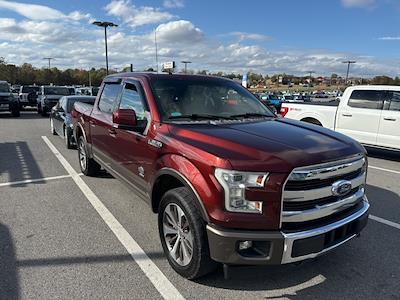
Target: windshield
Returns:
[71, 102]
[56, 91]
[29, 89]
[95, 91]
[217, 99]
[4, 88]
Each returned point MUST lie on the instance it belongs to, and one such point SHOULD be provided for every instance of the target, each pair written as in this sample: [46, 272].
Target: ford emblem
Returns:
[341, 187]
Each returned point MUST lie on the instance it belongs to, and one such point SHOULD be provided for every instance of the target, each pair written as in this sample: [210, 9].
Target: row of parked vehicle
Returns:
[41, 97]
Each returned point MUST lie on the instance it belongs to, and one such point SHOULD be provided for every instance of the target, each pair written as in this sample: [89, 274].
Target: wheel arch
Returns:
[172, 179]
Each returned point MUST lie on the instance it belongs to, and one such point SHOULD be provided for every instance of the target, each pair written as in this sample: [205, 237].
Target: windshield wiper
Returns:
[251, 115]
[200, 117]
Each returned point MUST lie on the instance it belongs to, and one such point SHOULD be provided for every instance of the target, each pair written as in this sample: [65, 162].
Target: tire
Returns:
[39, 109]
[15, 112]
[88, 166]
[67, 139]
[44, 112]
[192, 232]
[52, 130]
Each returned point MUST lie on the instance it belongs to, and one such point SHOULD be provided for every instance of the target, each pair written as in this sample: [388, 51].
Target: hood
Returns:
[5, 94]
[276, 145]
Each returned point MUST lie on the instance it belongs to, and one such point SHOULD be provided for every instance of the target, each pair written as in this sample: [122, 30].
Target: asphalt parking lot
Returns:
[63, 235]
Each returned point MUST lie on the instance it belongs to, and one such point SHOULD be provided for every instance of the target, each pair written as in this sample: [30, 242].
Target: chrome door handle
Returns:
[347, 115]
[389, 119]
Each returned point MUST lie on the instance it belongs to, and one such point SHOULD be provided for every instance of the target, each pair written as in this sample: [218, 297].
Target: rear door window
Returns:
[368, 99]
[109, 97]
[393, 101]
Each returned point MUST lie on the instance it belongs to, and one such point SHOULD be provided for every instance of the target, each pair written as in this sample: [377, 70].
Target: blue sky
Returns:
[231, 36]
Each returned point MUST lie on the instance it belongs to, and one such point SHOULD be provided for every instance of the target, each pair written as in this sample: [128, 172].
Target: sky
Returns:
[262, 36]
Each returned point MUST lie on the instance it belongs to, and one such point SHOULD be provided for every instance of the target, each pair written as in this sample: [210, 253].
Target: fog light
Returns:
[245, 245]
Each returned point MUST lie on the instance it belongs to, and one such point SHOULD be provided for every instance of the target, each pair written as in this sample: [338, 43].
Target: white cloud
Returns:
[78, 16]
[136, 16]
[242, 36]
[358, 3]
[389, 38]
[173, 3]
[181, 31]
[32, 11]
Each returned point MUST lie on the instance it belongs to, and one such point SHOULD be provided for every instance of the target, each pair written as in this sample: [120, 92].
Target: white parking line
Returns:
[157, 278]
[45, 179]
[383, 221]
[386, 170]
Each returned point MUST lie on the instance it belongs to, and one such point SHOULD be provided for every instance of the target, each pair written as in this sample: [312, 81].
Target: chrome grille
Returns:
[309, 192]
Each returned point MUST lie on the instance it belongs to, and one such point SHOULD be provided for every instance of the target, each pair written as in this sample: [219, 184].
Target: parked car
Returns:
[230, 181]
[28, 95]
[88, 91]
[370, 114]
[7, 100]
[48, 97]
[272, 101]
[61, 120]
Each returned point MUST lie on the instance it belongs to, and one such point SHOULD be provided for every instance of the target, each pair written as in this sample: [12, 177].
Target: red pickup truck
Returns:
[231, 182]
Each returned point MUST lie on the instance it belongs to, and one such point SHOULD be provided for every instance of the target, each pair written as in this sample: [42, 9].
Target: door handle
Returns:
[92, 123]
[112, 131]
[389, 119]
[347, 115]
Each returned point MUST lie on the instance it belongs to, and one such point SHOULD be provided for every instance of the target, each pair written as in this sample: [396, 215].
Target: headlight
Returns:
[235, 184]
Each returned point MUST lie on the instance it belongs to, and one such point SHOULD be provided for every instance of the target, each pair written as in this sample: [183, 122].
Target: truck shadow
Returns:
[17, 160]
[383, 154]
[9, 286]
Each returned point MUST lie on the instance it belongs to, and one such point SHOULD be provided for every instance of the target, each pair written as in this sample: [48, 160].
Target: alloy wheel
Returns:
[178, 234]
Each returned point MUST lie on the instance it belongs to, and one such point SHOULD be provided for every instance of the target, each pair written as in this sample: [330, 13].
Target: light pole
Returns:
[186, 62]
[155, 44]
[348, 62]
[49, 59]
[105, 25]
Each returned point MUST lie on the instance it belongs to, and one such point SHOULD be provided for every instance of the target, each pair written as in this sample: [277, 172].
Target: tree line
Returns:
[27, 74]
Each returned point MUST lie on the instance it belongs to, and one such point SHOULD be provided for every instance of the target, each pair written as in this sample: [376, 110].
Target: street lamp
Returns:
[186, 62]
[348, 62]
[105, 25]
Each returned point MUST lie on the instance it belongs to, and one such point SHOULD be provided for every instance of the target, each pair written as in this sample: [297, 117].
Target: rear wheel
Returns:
[15, 111]
[183, 234]
[52, 130]
[88, 166]
[67, 139]
[39, 109]
[44, 112]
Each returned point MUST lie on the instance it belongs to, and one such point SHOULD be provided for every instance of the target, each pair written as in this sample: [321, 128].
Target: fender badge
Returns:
[155, 143]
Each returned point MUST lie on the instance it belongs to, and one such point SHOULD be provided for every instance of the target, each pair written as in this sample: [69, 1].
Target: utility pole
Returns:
[155, 43]
[186, 62]
[49, 59]
[348, 62]
[105, 25]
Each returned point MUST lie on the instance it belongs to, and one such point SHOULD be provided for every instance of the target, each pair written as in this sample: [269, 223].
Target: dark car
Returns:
[49, 96]
[60, 117]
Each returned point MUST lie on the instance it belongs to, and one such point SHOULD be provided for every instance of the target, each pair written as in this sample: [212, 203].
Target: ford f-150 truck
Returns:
[8, 102]
[231, 182]
[370, 114]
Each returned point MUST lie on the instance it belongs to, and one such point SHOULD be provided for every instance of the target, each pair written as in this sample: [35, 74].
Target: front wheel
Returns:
[88, 166]
[183, 234]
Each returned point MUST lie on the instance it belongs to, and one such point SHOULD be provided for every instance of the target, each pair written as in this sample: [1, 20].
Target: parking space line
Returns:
[383, 169]
[44, 179]
[157, 278]
[384, 221]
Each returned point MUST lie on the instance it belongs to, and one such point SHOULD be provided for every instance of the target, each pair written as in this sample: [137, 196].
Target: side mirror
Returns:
[125, 119]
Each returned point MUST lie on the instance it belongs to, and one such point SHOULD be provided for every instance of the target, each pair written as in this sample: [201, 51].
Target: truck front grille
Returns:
[314, 194]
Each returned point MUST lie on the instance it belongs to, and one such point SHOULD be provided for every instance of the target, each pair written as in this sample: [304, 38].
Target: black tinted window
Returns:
[366, 99]
[131, 99]
[394, 101]
[108, 97]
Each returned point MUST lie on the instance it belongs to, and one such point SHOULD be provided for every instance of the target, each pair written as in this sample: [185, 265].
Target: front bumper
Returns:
[277, 247]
